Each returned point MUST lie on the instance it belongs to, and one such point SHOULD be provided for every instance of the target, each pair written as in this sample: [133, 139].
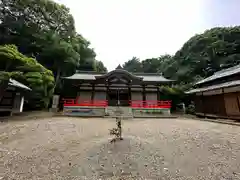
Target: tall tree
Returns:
[151, 65]
[38, 28]
[30, 16]
[100, 67]
[133, 65]
[206, 53]
[59, 56]
[45, 30]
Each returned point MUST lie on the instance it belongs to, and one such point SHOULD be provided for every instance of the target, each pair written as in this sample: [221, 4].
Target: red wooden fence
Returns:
[104, 103]
[77, 102]
[150, 104]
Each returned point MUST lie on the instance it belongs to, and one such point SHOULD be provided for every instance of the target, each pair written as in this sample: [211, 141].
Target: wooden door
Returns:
[231, 103]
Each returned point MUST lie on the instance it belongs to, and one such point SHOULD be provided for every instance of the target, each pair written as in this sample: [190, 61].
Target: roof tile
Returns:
[15, 83]
[221, 74]
[213, 87]
[91, 76]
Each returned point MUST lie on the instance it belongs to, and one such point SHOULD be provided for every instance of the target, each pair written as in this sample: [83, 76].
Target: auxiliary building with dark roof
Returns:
[219, 94]
[12, 97]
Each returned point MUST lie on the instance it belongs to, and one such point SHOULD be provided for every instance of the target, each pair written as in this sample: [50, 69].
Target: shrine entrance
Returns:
[118, 97]
[118, 84]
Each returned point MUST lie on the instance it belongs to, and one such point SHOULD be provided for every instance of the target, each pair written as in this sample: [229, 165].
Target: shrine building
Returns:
[116, 88]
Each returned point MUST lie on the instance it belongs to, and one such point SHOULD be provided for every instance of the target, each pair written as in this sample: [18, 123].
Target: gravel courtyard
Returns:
[64, 148]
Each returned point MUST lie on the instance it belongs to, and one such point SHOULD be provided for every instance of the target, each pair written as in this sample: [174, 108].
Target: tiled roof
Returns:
[214, 87]
[221, 74]
[91, 76]
[154, 78]
[15, 83]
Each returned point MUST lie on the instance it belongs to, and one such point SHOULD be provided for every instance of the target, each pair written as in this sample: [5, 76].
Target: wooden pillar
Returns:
[93, 92]
[238, 101]
[144, 95]
[129, 94]
[107, 92]
[224, 102]
[158, 94]
[203, 105]
[79, 89]
[79, 94]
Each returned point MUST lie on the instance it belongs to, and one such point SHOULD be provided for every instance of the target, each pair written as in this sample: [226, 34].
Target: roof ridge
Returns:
[215, 86]
[228, 69]
[221, 74]
[137, 73]
[15, 83]
[121, 71]
[91, 75]
[160, 74]
[92, 72]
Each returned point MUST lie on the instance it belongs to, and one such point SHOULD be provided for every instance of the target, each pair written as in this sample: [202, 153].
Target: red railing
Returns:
[150, 104]
[77, 102]
[104, 103]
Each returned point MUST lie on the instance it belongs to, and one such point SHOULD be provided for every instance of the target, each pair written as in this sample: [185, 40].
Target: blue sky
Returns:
[121, 29]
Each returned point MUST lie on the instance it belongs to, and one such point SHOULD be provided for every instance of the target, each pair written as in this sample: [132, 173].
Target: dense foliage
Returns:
[200, 57]
[207, 53]
[42, 30]
[153, 65]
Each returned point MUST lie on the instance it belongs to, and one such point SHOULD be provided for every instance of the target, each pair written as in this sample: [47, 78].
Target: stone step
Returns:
[125, 112]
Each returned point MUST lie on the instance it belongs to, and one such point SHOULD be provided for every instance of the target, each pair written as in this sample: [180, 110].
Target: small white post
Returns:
[18, 103]
[55, 103]
[21, 104]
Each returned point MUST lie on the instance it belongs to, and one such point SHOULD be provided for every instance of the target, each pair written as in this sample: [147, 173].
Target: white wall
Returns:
[100, 95]
[84, 96]
[151, 96]
[136, 96]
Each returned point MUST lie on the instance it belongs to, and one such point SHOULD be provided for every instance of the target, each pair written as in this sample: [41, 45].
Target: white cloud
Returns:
[121, 29]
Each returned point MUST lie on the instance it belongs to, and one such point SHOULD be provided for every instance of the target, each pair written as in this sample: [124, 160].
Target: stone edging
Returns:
[221, 121]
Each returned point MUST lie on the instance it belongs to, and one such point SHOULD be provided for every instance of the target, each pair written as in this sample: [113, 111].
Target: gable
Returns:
[118, 80]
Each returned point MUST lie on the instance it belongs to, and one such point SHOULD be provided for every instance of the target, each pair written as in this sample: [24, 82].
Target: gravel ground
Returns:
[73, 148]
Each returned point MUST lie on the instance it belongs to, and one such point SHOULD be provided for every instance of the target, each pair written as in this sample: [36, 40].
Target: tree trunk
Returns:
[57, 78]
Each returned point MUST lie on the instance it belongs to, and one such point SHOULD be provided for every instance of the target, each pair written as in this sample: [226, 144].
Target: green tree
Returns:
[87, 60]
[33, 17]
[100, 67]
[151, 65]
[40, 29]
[59, 56]
[201, 56]
[45, 30]
[206, 53]
[133, 65]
